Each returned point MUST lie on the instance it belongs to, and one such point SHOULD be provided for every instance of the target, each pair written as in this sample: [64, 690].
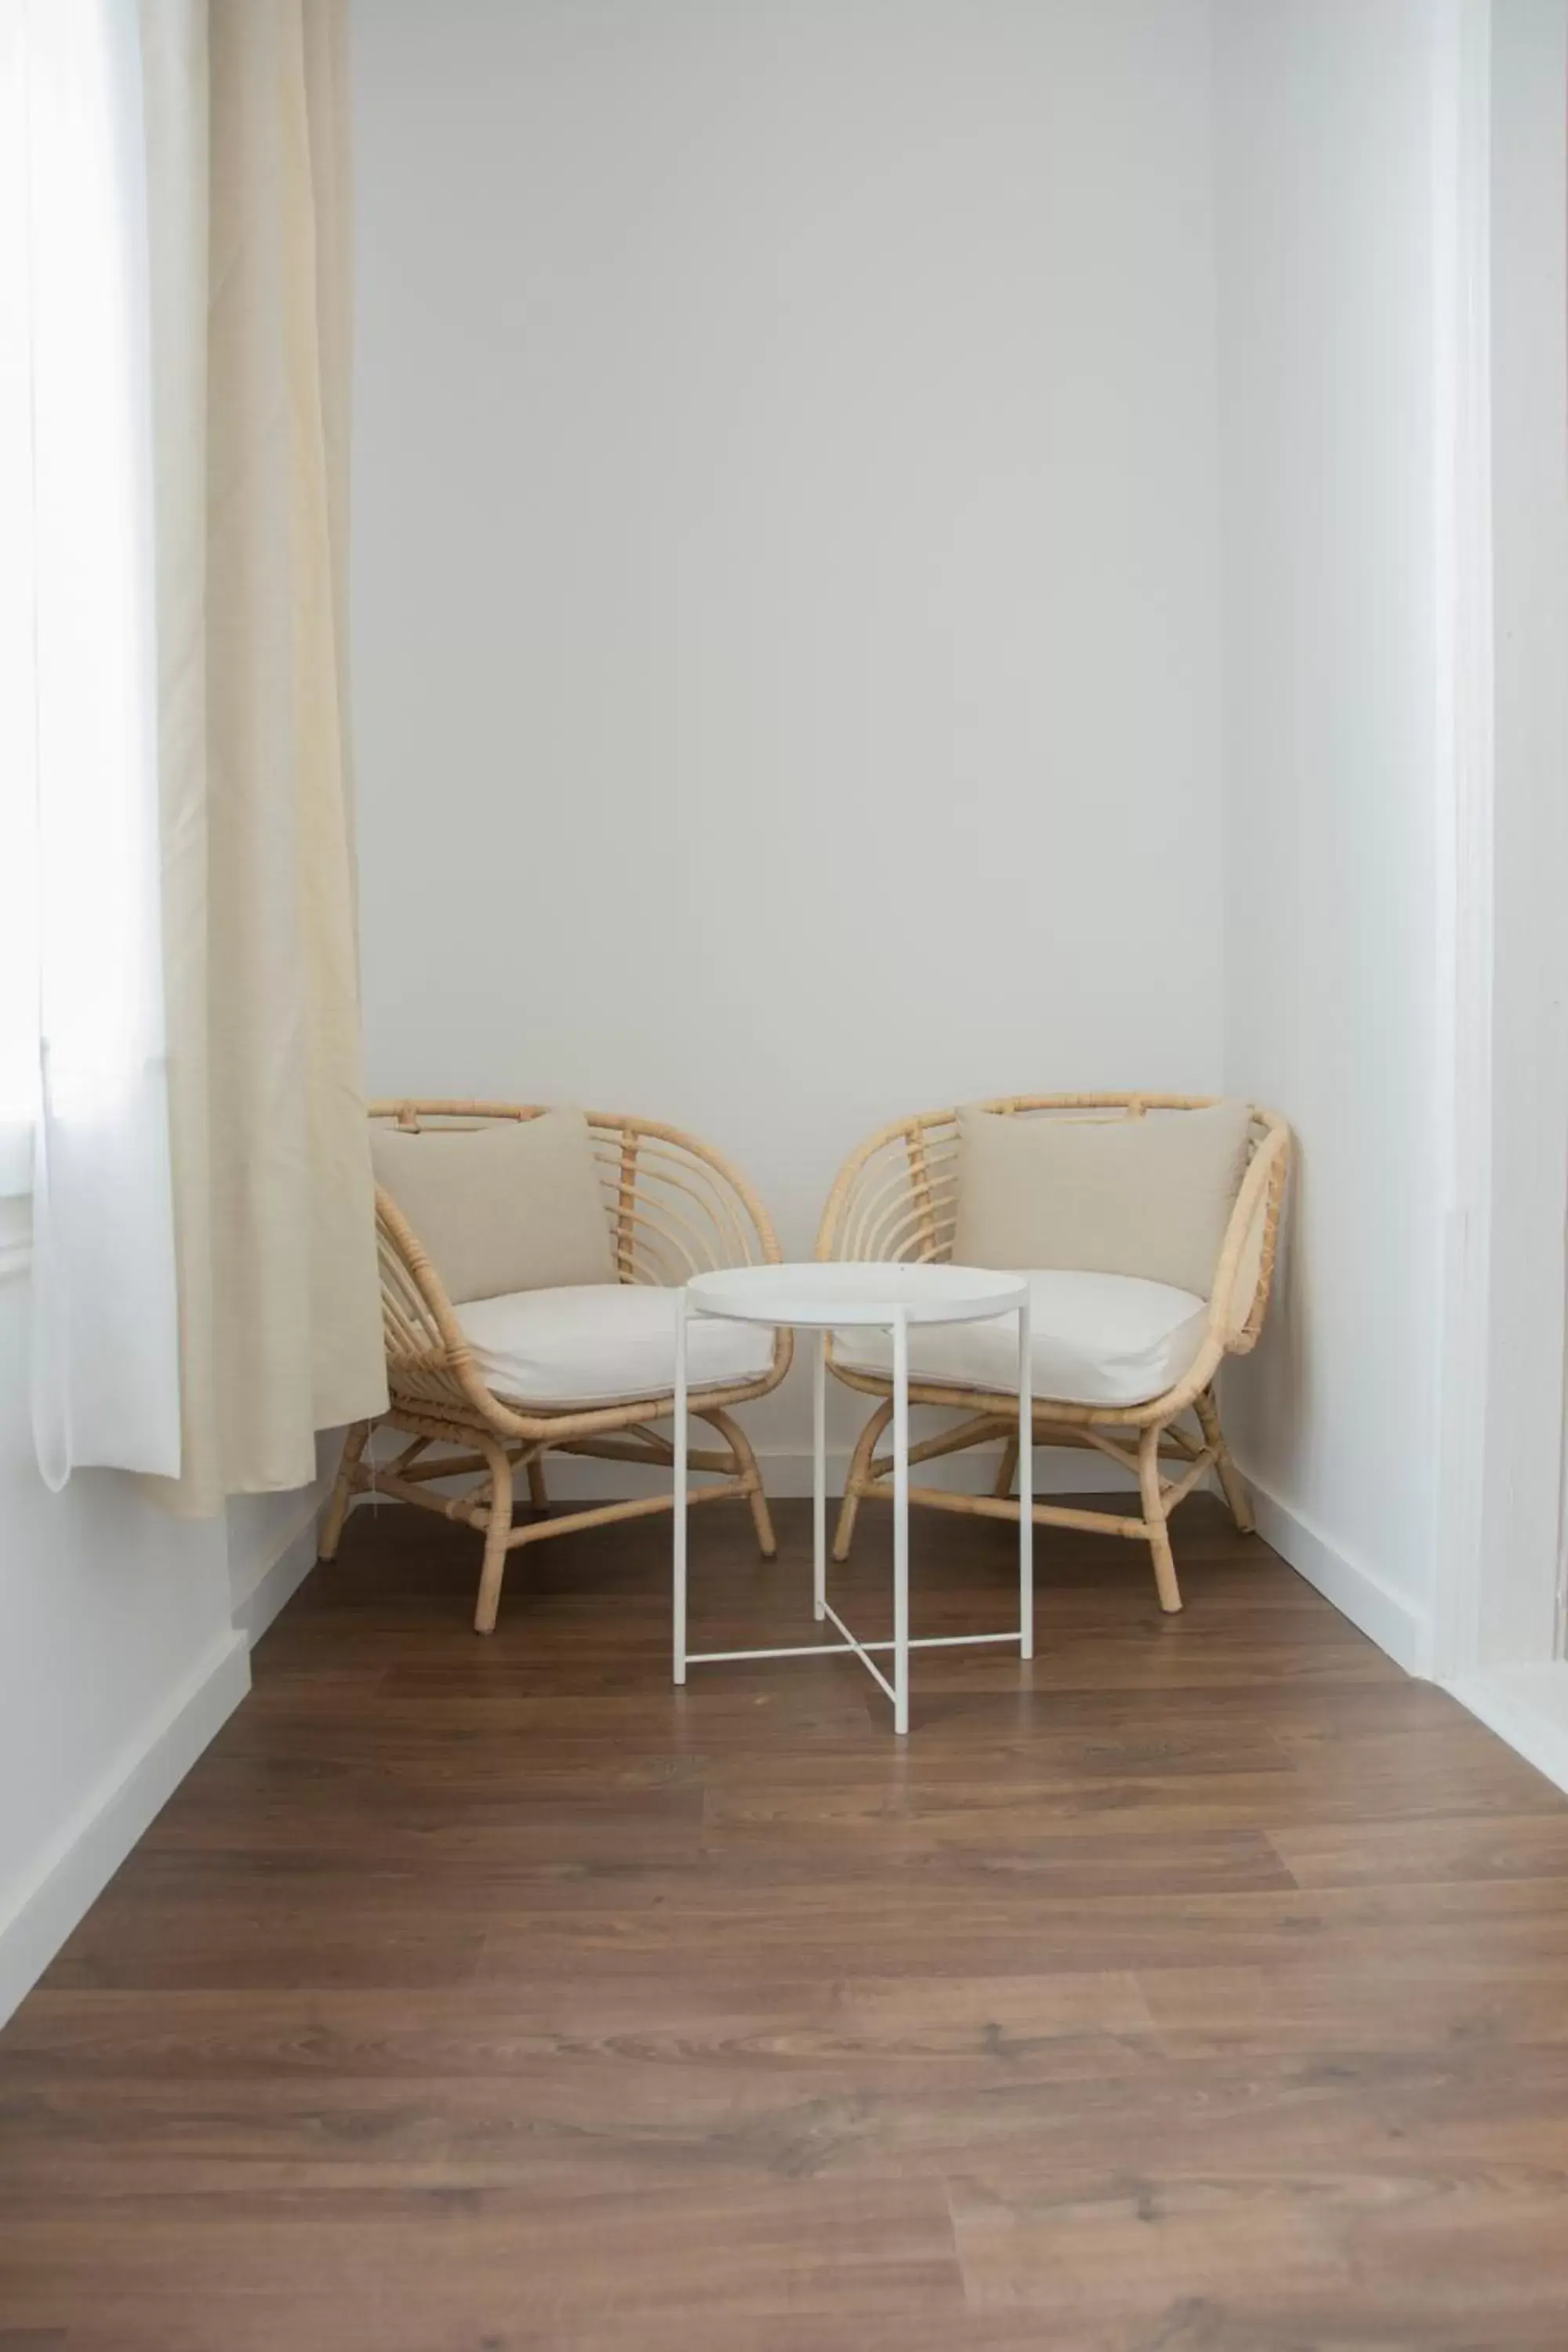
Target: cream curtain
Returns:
[278, 1308]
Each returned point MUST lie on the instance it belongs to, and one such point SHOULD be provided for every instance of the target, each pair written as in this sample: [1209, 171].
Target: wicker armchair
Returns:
[674, 1208]
[896, 1198]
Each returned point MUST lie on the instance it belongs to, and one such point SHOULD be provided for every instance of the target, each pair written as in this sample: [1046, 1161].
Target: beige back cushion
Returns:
[1148, 1196]
[516, 1206]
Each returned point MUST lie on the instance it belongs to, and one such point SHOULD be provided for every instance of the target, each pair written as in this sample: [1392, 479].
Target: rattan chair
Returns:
[675, 1208]
[896, 1198]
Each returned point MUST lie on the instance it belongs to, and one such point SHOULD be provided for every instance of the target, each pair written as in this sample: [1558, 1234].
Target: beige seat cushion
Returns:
[1095, 1338]
[605, 1343]
[1148, 1196]
[514, 1206]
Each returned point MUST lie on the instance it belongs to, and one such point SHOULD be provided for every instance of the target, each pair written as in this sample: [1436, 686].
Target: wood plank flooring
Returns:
[1202, 1988]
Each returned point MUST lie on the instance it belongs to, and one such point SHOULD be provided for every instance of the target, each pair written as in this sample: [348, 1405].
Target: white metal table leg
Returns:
[1025, 1487]
[816, 1299]
[900, 1523]
[820, 1479]
[681, 1477]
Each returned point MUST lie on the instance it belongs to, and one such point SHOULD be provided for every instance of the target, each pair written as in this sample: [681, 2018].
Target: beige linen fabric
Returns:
[1148, 1196]
[279, 1310]
[502, 1209]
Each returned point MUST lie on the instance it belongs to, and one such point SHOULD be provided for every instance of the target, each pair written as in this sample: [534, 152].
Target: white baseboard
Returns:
[1395, 1623]
[92, 1845]
[1526, 1706]
[274, 1587]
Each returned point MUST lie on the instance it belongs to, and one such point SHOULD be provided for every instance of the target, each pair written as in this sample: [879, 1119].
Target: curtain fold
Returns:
[279, 1317]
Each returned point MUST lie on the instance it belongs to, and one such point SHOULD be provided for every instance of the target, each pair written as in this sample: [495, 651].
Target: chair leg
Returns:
[1236, 1495]
[1008, 1471]
[1154, 1521]
[538, 1492]
[497, 1528]
[344, 1488]
[740, 1445]
[858, 1478]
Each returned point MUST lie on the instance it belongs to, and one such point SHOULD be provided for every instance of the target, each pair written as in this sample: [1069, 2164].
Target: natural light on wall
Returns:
[83, 1102]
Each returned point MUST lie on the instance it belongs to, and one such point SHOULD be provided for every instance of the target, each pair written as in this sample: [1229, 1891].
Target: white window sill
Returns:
[16, 1233]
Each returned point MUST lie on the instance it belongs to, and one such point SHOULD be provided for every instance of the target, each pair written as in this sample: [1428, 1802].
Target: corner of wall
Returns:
[1357, 1591]
[272, 1543]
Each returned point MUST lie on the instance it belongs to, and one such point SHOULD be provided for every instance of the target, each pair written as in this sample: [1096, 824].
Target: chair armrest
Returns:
[1244, 1274]
[428, 1355]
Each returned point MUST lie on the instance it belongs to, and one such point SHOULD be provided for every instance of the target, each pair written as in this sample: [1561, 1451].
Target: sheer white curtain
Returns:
[84, 1059]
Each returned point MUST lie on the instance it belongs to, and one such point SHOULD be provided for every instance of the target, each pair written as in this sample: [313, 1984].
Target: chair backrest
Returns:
[897, 1196]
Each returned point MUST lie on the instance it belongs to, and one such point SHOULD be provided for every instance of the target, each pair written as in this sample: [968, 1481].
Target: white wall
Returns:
[785, 615]
[1528, 390]
[1328, 373]
[118, 1660]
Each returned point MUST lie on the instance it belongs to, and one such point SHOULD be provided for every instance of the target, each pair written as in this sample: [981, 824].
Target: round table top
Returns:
[824, 1293]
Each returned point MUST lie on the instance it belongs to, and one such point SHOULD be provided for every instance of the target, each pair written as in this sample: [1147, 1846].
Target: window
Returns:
[18, 874]
[77, 878]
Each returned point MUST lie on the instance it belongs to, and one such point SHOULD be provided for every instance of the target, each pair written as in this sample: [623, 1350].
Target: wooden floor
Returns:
[1203, 1988]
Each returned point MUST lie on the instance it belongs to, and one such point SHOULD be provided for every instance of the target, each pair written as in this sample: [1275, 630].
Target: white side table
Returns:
[822, 1298]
